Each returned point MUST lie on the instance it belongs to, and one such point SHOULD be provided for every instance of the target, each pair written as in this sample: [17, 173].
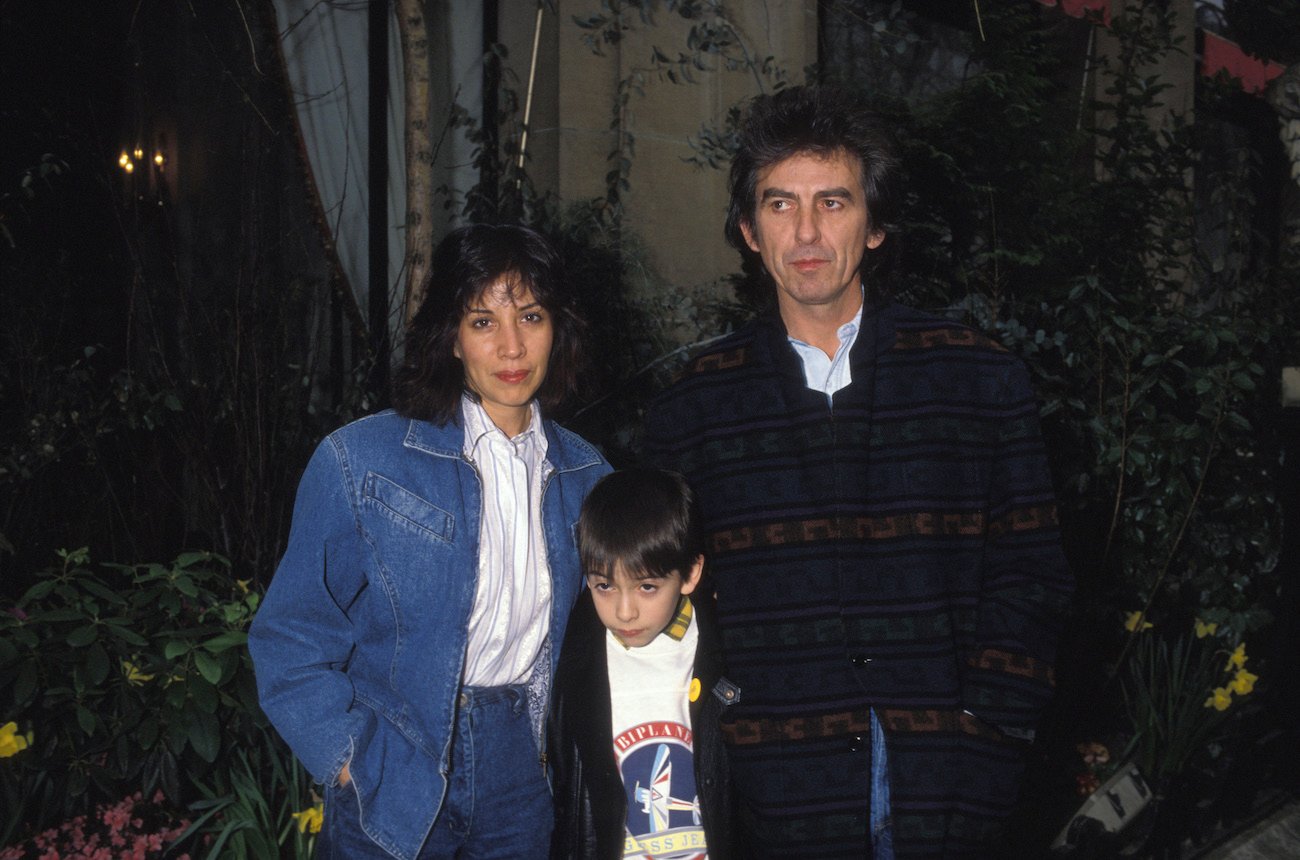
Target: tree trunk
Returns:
[419, 168]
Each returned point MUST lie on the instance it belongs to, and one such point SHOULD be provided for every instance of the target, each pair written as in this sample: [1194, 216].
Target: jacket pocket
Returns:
[406, 509]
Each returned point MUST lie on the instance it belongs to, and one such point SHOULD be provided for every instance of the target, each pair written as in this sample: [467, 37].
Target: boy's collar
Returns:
[676, 629]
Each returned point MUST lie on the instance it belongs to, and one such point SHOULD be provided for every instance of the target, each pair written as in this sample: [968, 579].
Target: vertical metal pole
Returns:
[378, 187]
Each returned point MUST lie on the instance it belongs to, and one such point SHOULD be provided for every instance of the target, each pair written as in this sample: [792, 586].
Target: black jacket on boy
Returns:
[590, 802]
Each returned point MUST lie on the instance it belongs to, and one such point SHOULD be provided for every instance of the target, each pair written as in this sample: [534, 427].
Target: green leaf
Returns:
[230, 639]
[8, 653]
[189, 559]
[25, 685]
[97, 664]
[209, 667]
[204, 696]
[204, 734]
[83, 636]
[103, 592]
[127, 635]
[175, 648]
[38, 591]
[86, 719]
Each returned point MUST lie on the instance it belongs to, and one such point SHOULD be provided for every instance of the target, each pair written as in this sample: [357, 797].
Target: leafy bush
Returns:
[139, 676]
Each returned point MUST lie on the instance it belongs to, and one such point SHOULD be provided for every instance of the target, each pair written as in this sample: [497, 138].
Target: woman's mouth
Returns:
[512, 377]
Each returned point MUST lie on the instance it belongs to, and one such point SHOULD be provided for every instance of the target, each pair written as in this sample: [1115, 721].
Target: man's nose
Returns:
[806, 228]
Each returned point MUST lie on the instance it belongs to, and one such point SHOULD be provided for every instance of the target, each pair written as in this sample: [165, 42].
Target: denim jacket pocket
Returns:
[406, 508]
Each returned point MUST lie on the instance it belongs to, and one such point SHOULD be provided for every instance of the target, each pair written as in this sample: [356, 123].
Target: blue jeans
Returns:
[882, 831]
[498, 804]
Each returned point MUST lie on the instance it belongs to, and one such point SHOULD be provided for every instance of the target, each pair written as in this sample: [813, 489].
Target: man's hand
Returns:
[345, 775]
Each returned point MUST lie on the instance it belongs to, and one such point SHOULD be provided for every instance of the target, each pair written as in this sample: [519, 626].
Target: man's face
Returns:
[810, 228]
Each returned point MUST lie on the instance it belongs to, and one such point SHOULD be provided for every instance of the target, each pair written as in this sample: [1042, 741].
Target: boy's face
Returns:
[637, 610]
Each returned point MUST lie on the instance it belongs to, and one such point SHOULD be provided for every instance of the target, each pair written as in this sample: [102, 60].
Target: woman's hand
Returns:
[345, 776]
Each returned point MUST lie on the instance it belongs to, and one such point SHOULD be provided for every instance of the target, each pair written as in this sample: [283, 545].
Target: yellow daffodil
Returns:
[310, 820]
[1134, 619]
[1243, 683]
[12, 743]
[1204, 629]
[1237, 659]
[243, 585]
[1220, 700]
[134, 676]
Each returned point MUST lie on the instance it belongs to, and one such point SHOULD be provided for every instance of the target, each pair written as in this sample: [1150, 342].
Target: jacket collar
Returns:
[564, 451]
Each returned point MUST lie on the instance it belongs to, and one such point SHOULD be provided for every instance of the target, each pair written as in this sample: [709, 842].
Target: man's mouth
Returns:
[809, 264]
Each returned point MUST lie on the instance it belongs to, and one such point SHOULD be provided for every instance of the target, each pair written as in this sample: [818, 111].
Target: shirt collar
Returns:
[479, 428]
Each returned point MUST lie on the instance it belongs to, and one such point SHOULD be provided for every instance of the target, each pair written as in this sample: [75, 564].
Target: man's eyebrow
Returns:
[837, 191]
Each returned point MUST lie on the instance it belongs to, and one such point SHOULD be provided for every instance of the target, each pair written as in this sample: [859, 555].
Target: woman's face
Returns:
[504, 341]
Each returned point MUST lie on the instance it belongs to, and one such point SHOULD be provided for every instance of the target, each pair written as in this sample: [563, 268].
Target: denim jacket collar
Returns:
[446, 440]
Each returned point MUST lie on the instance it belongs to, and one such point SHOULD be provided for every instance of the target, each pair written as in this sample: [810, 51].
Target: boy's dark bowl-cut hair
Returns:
[642, 520]
[431, 379]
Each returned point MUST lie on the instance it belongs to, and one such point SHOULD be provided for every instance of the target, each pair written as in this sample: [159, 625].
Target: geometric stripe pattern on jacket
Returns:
[896, 548]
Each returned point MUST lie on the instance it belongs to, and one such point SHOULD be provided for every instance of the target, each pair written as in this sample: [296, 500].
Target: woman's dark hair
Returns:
[822, 121]
[642, 521]
[470, 259]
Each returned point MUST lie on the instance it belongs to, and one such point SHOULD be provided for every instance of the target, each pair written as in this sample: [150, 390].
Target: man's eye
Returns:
[833, 204]
[780, 205]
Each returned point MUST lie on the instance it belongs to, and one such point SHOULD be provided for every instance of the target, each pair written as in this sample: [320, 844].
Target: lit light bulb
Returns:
[124, 159]
[129, 167]
[139, 153]
[158, 159]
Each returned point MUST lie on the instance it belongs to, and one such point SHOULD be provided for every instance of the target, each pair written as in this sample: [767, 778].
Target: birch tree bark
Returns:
[414, 33]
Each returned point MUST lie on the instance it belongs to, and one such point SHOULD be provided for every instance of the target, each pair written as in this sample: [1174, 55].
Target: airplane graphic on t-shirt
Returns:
[656, 800]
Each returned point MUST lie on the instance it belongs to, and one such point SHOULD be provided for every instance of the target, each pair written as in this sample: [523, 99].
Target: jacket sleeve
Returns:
[301, 638]
[566, 779]
[1025, 584]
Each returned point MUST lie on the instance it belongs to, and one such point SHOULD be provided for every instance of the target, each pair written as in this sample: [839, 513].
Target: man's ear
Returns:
[693, 579]
[751, 237]
[874, 239]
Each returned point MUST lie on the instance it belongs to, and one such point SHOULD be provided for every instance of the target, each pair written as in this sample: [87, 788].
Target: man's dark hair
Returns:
[470, 259]
[642, 521]
[822, 121]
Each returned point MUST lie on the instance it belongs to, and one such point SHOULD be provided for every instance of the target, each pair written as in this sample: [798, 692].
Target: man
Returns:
[879, 515]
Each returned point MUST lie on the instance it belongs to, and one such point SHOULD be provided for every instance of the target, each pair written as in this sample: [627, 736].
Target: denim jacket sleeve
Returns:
[301, 638]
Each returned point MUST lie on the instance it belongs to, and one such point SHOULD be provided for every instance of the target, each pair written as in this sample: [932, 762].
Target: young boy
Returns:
[638, 766]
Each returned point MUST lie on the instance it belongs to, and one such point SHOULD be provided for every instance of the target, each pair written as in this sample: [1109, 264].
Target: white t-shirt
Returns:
[650, 701]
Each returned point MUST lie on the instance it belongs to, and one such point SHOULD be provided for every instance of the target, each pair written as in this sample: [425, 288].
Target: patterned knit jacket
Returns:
[897, 550]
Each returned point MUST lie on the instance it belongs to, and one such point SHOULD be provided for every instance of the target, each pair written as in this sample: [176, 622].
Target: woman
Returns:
[406, 644]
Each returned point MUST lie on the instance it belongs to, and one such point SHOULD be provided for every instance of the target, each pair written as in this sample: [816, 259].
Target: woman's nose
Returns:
[512, 342]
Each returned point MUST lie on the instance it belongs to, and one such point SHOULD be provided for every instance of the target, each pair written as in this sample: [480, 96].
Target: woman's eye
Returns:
[481, 322]
[533, 317]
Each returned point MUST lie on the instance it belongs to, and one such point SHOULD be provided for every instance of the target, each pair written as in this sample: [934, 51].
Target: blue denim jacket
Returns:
[360, 642]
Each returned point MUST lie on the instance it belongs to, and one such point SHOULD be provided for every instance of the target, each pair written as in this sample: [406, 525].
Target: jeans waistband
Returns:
[472, 697]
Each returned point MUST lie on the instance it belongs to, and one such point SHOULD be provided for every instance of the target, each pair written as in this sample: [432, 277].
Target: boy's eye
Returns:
[649, 587]
[599, 585]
